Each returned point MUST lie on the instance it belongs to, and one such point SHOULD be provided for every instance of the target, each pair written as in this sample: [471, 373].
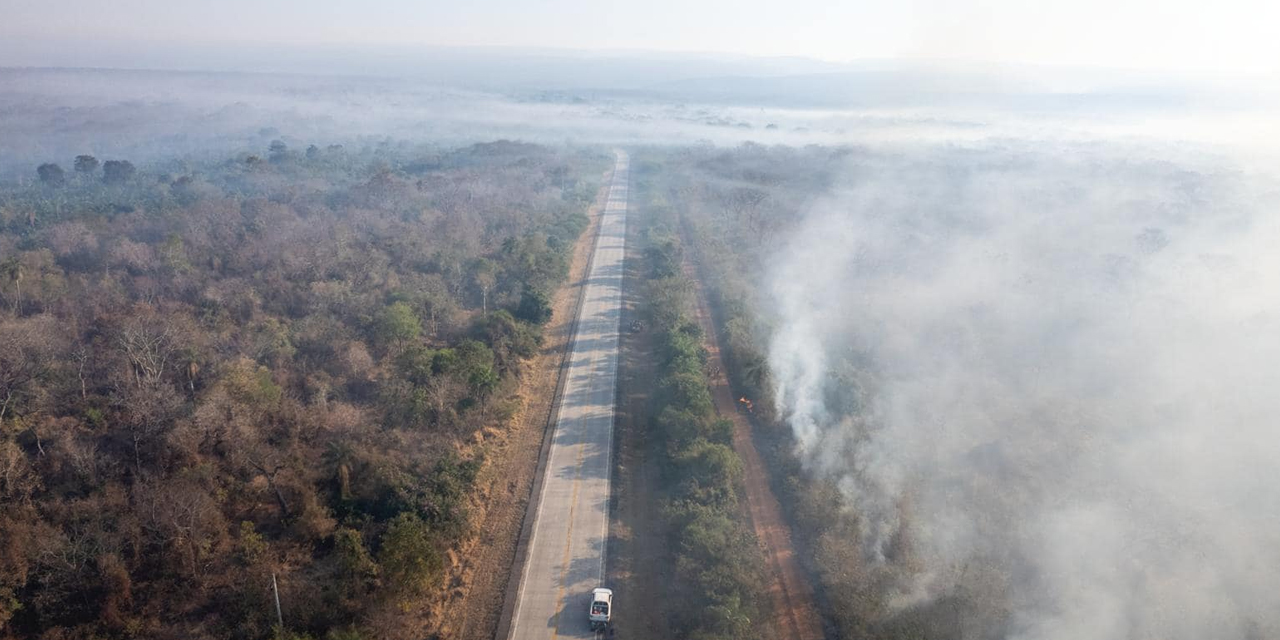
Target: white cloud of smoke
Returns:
[1064, 359]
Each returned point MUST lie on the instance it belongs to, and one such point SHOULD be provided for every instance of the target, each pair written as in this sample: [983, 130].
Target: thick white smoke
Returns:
[1066, 361]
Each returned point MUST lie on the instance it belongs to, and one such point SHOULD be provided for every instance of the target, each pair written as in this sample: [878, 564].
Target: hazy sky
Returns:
[1223, 35]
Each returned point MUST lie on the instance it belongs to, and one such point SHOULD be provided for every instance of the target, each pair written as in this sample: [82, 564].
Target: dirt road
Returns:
[793, 612]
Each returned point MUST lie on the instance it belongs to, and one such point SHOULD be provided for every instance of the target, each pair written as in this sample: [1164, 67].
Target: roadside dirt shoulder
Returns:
[480, 569]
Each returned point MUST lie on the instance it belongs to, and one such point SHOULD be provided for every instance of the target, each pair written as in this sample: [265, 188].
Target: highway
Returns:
[566, 552]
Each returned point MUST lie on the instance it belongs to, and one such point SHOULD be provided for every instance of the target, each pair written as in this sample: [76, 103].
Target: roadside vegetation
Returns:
[280, 363]
[717, 561]
[733, 205]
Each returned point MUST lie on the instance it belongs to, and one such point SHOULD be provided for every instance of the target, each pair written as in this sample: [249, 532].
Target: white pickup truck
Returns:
[601, 608]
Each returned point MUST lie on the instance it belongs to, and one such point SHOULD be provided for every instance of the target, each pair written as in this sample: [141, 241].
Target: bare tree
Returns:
[149, 346]
[483, 272]
[149, 412]
[745, 206]
[26, 357]
[81, 358]
[270, 475]
[181, 516]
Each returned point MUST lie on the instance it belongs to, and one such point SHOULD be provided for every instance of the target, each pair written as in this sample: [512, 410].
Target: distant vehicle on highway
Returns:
[601, 608]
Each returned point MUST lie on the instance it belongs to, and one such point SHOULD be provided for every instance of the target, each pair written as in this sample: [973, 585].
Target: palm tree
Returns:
[341, 456]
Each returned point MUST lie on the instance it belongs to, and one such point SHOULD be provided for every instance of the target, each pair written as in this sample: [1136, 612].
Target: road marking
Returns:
[542, 594]
[568, 543]
[573, 507]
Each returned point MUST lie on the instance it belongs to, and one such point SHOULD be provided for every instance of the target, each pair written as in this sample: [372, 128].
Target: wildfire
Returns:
[747, 403]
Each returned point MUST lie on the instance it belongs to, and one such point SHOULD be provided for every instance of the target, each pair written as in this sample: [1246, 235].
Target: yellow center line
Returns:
[577, 474]
[573, 505]
[564, 567]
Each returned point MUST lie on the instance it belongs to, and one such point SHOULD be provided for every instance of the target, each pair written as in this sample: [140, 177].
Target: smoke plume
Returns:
[1062, 360]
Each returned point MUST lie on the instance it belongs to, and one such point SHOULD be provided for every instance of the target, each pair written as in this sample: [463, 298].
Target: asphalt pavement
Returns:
[566, 554]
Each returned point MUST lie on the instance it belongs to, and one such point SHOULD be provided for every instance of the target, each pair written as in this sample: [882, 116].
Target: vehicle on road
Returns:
[601, 608]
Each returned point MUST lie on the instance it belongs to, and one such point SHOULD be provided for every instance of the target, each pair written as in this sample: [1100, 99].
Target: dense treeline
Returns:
[717, 561]
[275, 364]
[734, 203]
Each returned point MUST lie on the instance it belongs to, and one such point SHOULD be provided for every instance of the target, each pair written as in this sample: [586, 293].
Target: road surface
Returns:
[565, 559]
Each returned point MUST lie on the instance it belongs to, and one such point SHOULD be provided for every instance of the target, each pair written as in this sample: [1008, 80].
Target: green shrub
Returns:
[396, 325]
[408, 559]
[535, 307]
[716, 555]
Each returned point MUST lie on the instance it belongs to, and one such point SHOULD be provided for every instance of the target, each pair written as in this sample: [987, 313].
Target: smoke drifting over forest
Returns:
[1052, 364]
[1031, 332]
[456, 97]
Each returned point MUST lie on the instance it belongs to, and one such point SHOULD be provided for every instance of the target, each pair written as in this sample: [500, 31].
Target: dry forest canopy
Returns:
[213, 372]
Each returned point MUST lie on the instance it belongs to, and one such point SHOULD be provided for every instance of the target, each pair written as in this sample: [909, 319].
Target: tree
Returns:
[86, 164]
[27, 355]
[508, 337]
[397, 323]
[51, 174]
[686, 390]
[533, 263]
[148, 411]
[252, 547]
[559, 174]
[180, 516]
[117, 171]
[535, 307]
[434, 300]
[475, 365]
[742, 206]
[190, 398]
[12, 269]
[149, 345]
[711, 471]
[279, 151]
[668, 298]
[483, 273]
[408, 558]
[356, 568]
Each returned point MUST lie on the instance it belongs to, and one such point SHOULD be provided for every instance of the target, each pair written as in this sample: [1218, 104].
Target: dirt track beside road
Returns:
[793, 612]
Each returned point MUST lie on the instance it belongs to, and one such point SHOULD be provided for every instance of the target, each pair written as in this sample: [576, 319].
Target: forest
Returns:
[1005, 388]
[816, 320]
[982, 371]
[216, 376]
[716, 591]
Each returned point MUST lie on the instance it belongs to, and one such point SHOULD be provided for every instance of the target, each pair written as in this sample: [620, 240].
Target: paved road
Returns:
[566, 550]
